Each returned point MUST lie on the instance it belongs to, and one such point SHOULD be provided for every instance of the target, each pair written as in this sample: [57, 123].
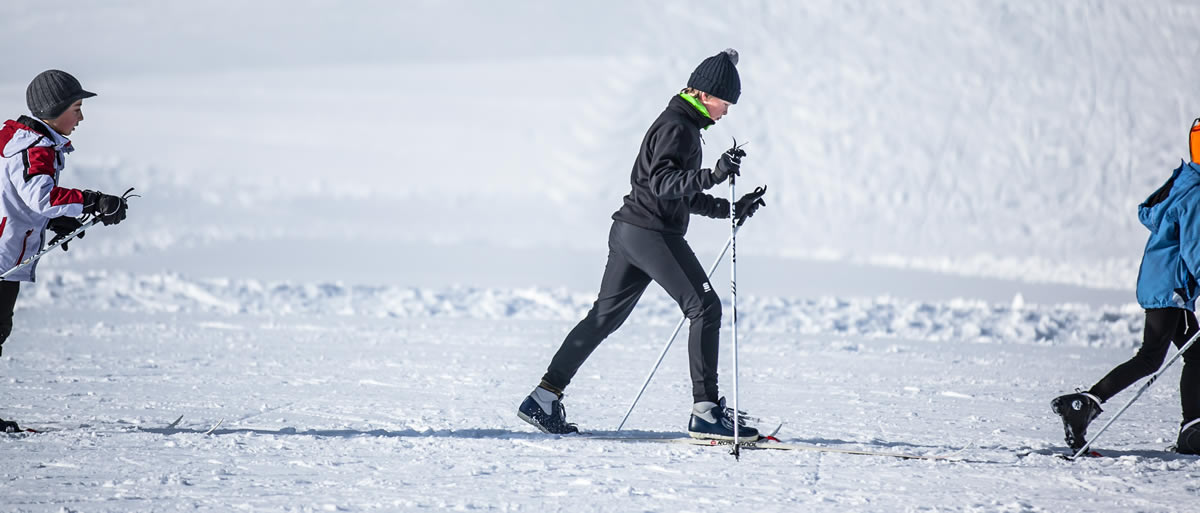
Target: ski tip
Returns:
[214, 428]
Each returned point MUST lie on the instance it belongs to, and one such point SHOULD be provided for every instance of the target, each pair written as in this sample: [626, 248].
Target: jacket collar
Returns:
[41, 128]
[682, 106]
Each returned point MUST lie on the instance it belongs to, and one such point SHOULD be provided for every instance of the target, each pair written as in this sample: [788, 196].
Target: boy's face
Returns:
[716, 106]
[66, 122]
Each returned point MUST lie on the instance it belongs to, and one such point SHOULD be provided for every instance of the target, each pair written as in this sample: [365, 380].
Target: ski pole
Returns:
[733, 228]
[52, 245]
[1135, 397]
[62, 240]
[711, 269]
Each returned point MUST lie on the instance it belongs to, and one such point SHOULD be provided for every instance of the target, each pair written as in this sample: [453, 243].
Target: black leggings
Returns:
[1163, 326]
[8, 301]
[637, 256]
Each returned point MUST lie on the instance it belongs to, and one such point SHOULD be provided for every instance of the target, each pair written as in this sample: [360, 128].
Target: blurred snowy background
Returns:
[387, 143]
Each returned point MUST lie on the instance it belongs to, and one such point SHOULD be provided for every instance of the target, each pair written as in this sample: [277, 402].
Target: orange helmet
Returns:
[1194, 143]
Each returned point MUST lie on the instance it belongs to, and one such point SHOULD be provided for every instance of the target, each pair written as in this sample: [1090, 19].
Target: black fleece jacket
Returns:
[667, 179]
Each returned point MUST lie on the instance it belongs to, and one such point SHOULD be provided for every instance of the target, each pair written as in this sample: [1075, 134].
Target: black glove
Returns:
[8, 426]
[748, 204]
[110, 209]
[729, 164]
[62, 227]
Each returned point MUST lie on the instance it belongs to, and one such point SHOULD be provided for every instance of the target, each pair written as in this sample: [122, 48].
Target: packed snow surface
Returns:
[359, 399]
[365, 228]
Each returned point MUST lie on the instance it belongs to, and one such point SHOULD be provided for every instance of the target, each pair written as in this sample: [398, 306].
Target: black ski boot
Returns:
[1077, 411]
[713, 421]
[545, 411]
[1189, 438]
[8, 426]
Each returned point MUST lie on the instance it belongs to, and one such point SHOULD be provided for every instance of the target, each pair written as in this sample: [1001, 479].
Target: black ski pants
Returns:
[8, 301]
[1163, 326]
[637, 256]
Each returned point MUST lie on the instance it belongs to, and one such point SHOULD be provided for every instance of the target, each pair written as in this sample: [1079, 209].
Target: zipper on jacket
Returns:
[23, 243]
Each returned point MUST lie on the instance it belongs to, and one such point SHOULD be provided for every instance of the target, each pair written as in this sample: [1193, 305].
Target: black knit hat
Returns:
[718, 76]
[52, 92]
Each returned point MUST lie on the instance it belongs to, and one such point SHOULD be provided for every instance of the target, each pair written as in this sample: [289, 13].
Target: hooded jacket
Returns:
[667, 181]
[32, 155]
[1171, 261]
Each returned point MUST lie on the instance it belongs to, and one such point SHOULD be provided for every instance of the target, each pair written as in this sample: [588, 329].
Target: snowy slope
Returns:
[365, 228]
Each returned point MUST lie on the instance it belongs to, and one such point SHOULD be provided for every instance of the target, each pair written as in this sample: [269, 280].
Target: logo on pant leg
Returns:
[706, 287]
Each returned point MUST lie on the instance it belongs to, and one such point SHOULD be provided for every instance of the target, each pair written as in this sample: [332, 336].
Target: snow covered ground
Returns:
[366, 227]
[403, 399]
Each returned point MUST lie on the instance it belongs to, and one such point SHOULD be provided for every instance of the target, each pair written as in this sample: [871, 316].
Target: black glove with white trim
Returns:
[62, 227]
[110, 209]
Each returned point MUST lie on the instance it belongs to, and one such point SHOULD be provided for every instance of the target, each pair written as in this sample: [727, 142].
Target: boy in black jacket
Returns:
[646, 244]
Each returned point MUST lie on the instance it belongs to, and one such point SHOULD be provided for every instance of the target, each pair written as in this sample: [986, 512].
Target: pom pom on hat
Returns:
[718, 76]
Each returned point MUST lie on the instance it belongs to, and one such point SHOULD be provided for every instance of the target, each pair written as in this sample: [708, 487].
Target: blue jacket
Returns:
[1171, 262]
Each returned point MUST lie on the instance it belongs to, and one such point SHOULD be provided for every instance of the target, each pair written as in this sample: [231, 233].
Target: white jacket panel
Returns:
[32, 155]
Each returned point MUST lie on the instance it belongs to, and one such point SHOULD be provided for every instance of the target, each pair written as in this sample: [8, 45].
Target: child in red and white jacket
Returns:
[33, 151]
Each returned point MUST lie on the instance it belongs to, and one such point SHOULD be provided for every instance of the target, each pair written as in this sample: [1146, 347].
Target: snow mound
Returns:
[958, 320]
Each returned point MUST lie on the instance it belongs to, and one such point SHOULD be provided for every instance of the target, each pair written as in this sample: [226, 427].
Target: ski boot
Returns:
[713, 421]
[1189, 438]
[8, 426]
[545, 411]
[1077, 411]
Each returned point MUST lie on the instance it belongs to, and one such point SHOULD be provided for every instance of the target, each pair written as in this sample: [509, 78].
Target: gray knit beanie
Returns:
[52, 92]
[718, 76]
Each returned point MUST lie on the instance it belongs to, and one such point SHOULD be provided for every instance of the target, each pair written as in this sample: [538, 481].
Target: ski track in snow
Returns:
[325, 410]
